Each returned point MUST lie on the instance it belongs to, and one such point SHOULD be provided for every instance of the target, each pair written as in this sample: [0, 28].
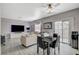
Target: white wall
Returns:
[70, 15]
[6, 26]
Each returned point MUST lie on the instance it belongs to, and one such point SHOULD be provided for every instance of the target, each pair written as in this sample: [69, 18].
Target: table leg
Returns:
[54, 51]
[43, 52]
[59, 49]
[48, 49]
[37, 49]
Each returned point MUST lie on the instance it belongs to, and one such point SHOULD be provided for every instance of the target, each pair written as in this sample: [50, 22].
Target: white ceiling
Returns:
[32, 11]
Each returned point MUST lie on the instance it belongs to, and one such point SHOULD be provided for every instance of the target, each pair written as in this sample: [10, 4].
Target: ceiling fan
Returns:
[50, 7]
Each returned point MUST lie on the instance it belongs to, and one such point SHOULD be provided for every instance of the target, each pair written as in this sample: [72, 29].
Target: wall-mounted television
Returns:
[17, 28]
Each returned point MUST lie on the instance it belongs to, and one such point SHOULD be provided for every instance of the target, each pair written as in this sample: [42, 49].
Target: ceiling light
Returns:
[51, 6]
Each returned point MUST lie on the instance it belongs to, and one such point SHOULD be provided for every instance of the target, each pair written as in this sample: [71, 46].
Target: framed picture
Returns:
[47, 25]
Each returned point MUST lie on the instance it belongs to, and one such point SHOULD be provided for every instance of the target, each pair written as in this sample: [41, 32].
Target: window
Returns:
[38, 27]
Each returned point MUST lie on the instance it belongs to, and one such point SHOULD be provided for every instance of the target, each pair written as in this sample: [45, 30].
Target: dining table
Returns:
[49, 40]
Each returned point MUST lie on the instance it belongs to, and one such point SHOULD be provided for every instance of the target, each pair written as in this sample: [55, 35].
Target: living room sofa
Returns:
[28, 39]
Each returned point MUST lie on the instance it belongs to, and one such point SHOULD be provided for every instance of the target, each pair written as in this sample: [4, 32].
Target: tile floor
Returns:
[13, 47]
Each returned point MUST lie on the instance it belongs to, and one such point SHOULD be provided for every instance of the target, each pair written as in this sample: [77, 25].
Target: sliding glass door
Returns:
[65, 31]
[62, 28]
[58, 29]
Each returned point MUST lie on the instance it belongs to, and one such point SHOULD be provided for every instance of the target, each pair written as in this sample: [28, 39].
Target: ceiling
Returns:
[32, 11]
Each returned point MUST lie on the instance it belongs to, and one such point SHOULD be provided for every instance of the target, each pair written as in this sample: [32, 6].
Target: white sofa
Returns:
[29, 39]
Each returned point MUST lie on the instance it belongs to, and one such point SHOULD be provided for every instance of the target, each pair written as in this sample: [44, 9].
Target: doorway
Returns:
[62, 28]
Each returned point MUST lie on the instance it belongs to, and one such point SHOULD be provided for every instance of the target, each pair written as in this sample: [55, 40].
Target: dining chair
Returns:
[42, 44]
[55, 43]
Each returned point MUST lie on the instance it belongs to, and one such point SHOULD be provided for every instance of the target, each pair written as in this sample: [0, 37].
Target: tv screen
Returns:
[17, 28]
